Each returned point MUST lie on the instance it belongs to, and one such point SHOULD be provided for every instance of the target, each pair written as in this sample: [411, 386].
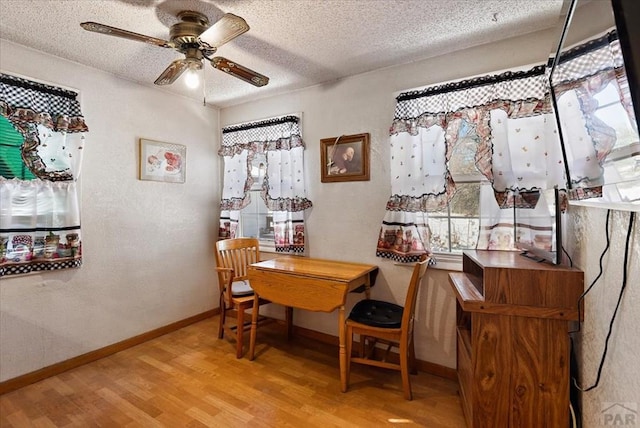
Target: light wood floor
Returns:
[189, 378]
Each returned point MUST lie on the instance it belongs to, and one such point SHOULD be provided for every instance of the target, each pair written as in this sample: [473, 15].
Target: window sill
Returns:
[267, 246]
[619, 206]
[448, 261]
[444, 261]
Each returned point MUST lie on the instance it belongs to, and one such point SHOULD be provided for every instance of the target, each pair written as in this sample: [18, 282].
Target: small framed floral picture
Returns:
[162, 161]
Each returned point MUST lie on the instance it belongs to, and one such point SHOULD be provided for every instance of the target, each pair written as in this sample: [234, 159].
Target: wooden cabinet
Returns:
[513, 317]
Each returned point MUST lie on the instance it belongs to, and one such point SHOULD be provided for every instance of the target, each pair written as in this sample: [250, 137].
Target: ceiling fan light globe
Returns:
[191, 79]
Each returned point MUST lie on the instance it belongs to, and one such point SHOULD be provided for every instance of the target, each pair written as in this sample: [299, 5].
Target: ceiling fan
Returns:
[194, 38]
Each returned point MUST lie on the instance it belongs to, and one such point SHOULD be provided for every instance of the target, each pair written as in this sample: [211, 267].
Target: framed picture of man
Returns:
[344, 158]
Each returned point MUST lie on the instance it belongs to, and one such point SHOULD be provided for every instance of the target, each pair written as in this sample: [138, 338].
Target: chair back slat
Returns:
[412, 294]
[237, 254]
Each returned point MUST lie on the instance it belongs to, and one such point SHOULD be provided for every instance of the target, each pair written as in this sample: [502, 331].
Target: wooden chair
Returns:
[232, 258]
[383, 322]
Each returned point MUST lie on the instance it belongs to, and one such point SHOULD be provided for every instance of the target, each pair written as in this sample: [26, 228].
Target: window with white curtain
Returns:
[42, 135]
[264, 164]
[446, 141]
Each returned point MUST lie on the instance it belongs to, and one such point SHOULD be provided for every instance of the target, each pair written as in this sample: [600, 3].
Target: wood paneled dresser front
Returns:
[513, 318]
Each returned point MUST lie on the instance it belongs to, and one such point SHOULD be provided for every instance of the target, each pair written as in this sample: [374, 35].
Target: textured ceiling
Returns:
[296, 43]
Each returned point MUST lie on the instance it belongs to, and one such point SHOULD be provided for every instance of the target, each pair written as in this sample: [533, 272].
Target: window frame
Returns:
[267, 245]
[451, 260]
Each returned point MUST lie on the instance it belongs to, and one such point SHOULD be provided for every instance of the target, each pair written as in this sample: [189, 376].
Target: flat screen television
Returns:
[538, 230]
[594, 79]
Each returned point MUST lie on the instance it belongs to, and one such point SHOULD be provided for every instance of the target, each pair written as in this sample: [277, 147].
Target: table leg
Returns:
[343, 352]
[367, 287]
[254, 325]
[289, 321]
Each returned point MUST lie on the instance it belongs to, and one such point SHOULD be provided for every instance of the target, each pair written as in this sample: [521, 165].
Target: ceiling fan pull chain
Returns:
[204, 89]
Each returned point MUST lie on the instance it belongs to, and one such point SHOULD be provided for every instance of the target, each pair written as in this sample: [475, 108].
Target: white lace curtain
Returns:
[40, 218]
[283, 188]
[510, 118]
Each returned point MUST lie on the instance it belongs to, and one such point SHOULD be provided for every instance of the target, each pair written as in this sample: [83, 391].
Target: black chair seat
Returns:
[377, 313]
[376, 321]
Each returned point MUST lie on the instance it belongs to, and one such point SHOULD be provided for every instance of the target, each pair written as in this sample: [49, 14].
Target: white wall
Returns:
[620, 378]
[345, 220]
[147, 246]
[619, 384]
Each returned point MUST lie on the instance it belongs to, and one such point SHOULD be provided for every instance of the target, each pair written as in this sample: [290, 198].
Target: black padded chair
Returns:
[383, 322]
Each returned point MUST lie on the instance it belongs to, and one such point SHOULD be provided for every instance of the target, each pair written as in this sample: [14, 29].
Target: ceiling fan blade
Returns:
[239, 71]
[227, 28]
[171, 73]
[118, 32]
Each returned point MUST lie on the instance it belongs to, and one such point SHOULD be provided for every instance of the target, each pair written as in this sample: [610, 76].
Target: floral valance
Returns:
[270, 131]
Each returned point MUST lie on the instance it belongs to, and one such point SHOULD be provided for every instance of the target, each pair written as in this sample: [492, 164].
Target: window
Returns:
[11, 163]
[622, 165]
[456, 228]
[41, 140]
[611, 112]
[594, 105]
[446, 141]
[256, 220]
[263, 190]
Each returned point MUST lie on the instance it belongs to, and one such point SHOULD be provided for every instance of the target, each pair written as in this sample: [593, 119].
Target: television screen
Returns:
[538, 230]
[595, 86]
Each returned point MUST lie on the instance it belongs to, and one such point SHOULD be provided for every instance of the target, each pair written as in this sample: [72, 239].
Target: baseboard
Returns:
[63, 366]
[437, 370]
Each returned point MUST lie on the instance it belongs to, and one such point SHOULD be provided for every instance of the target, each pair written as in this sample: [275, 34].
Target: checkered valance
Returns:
[587, 59]
[263, 131]
[451, 97]
[24, 101]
